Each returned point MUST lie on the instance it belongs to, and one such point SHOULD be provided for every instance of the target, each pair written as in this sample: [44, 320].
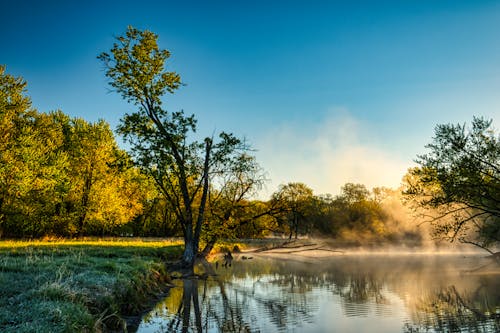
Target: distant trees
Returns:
[356, 215]
[295, 200]
[14, 106]
[31, 162]
[458, 183]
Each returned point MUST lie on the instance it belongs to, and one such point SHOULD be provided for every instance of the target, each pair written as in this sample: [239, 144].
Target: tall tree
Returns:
[160, 139]
[458, 180]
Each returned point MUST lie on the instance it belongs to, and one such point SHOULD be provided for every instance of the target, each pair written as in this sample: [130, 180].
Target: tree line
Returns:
[65, 176]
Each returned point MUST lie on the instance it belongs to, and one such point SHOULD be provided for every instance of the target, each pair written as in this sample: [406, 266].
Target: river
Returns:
[340, 293]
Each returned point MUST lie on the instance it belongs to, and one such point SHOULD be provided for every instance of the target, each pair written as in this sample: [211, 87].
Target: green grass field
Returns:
[79, 286]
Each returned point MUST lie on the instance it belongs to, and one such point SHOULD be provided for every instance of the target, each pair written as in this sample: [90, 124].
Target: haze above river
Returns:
[340, 293]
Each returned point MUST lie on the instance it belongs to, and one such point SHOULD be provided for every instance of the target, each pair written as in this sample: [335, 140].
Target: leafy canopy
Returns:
[460, 179]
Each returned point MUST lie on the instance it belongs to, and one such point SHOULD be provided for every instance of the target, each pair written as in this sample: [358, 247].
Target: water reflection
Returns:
[339, 294]
[448, 310]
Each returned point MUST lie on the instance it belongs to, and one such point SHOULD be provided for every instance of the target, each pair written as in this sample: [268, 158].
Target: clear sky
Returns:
[328, 92]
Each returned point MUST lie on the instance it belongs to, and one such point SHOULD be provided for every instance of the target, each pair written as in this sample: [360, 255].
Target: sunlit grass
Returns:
[107, 242]
[78, 285]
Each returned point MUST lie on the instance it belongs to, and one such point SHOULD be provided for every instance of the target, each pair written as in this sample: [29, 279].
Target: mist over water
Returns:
[350, 292]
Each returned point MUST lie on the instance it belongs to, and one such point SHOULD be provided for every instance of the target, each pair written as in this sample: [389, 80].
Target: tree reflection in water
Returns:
[448, 310]
[269, 295]
[189, 296]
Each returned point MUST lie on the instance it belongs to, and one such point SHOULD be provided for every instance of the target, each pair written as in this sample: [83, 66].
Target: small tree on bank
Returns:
[160, 139]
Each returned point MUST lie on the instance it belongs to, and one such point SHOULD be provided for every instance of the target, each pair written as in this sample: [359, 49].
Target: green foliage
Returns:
[31, 161]
[458, 183]
[295, 200]
[353, 193]
[105, 191]
[136, 68]
[61, 176]
[157, 219]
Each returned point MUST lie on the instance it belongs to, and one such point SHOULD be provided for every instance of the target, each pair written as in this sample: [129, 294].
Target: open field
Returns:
[79, 286]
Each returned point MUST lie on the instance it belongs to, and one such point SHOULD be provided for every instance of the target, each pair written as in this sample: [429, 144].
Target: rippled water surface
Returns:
[344, 293]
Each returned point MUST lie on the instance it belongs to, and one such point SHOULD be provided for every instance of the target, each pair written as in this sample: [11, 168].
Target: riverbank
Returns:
[79, 286]
[103, 285]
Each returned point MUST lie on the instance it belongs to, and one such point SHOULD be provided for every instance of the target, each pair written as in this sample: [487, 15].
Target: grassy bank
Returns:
[78, 286]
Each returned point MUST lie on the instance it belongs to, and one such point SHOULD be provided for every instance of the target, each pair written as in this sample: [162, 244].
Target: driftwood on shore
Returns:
[280, 248]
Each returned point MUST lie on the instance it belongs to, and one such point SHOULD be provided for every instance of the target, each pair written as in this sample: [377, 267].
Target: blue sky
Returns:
[328, 92]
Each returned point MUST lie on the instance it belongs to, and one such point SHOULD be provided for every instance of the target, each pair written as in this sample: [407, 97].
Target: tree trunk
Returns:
[204, 194]
[296, 223]
[87, 186]
[208, 248]
[190, 248]
[189, 255]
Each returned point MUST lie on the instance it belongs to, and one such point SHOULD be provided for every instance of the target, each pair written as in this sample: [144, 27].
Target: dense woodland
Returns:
[64, 176]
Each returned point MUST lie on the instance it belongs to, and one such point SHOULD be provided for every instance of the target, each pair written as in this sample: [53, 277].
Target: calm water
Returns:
[345, 293]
